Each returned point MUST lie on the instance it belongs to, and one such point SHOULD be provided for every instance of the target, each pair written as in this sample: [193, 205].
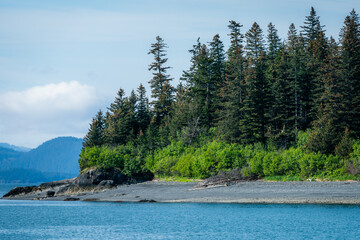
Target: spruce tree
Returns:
[95, 135]
[120, 120]
[295, 66]
[329, 125]
[132, 110]
[233, 91]
[256, 103]
[202, 89]
[254, 42]
[142, 110]
[312, 26]
[350, 53]
[217, 77]
[273, 41]
[319, 53]
[118, 102]
[161, 89]
[283, 101]
[271, 74]
[316, 44]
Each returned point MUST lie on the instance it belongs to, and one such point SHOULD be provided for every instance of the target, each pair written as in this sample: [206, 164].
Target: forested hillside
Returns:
[53, 160]
[266, 105]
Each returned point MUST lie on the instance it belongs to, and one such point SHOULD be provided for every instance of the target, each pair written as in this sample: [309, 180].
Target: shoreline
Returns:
[251, 192]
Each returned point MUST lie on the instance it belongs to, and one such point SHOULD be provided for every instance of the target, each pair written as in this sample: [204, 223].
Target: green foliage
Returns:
[161, 89]
[127, 158]
[353, 163]
[293, 105]
[95, 135]
[180, 160]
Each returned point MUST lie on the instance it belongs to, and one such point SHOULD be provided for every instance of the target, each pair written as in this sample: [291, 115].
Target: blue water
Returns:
[96, 220]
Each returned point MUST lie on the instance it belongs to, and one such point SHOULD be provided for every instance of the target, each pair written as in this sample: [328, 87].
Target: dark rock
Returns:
[141, 177]
[50, 193]
[106, 183]
[63, 189]
[91, 180]
[90, 199]
[21, 191]
[71, 199]
[146, 200]
[93, 177]
[56, 183]
[225, 178]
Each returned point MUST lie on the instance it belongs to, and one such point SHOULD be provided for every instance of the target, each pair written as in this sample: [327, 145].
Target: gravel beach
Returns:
[242, 192]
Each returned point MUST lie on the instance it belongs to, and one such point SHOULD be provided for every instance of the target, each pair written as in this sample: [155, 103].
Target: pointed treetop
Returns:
[292, 36]
[254, 41]
[273, 40]
[235, 35]
[312, 26]
[119, 101]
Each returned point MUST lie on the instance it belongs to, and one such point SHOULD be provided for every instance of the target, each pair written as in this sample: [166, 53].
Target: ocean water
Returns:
[99, 220]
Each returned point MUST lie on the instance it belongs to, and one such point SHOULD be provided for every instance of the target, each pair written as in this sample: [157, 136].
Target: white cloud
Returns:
[49, 99]
[36, 114]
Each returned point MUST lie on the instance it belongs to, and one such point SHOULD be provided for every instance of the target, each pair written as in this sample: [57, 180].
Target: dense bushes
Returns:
[204, 159]
[127, 158]
[179, 160]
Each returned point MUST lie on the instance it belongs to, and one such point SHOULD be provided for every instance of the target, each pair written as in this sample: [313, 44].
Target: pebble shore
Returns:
[347, 192]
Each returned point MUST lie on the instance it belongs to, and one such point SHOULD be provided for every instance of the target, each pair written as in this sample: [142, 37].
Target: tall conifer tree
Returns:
[217, 77]
[120, 120]
[312, 26]
[273, 41]
[202, 89]
[316, 44]
[142, 109]
[161, 89]
[95, 135]
[329, 125]
[350, 52]
[233, 91]
[256, 103]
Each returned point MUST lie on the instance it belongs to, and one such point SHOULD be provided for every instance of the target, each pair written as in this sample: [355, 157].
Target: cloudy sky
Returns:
[61, 61]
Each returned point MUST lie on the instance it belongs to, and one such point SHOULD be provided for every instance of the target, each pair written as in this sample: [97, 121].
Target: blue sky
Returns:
[61, 61]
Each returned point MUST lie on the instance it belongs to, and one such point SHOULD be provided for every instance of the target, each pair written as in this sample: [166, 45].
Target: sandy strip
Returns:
[243, 192]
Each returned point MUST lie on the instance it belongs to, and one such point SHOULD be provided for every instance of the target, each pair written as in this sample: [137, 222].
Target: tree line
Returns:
[261, 90]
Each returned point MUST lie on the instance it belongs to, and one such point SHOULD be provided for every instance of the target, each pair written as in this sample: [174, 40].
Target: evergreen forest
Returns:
[273, 108]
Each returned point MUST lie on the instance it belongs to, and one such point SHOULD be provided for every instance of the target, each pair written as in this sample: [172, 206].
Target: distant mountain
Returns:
[19, 175]
[53, 159]
[7, 154]
[59, 155]
[16, 148]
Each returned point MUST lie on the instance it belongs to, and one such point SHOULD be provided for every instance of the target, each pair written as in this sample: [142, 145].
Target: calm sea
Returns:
[97, 220]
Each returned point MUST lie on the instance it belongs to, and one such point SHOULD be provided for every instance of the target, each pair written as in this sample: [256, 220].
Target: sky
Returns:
[62, 61]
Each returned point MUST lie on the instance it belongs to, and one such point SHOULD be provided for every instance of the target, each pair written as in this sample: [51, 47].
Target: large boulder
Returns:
[93, 177]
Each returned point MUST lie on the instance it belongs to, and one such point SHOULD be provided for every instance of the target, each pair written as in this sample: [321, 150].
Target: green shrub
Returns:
[353, 163]
[179, 160]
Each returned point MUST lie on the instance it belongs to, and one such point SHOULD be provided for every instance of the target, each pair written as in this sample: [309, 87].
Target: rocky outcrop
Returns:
[91, 180]
[21, 191]
[56, 183]
[97, 176]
